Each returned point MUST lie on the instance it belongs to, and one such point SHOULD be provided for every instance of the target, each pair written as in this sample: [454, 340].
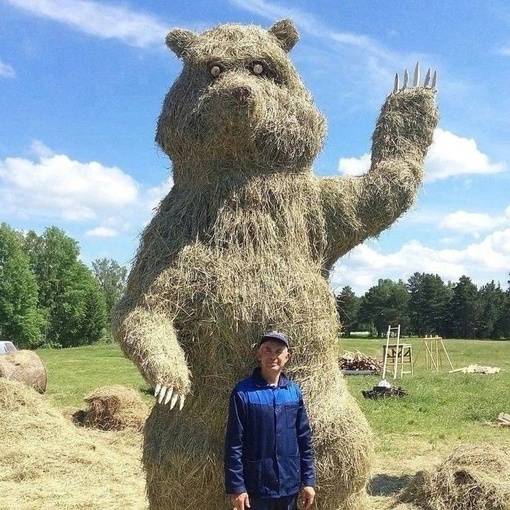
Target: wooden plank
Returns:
[360, 372]
[477, 369]
[504, 417]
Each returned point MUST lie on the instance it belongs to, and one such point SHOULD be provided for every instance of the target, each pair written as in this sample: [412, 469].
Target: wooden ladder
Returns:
[400, 354]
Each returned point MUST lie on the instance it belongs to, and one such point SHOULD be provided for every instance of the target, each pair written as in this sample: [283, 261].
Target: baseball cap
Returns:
[274, 335]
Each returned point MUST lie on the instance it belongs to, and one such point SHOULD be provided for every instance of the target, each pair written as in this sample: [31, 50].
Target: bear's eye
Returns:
[264, 70]
[257, 68]
[215, 70]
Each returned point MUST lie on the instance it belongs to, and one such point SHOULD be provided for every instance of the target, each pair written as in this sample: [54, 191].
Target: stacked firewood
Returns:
[357, 361]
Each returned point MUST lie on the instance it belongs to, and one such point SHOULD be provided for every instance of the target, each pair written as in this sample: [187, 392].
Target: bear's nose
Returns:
[241, 94]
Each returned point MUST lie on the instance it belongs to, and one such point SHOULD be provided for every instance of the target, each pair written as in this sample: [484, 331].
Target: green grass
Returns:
[440, 407]
[442, 411]
[75, 372]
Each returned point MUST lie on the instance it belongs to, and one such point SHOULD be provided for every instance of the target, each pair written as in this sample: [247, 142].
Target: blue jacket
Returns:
[268, 447]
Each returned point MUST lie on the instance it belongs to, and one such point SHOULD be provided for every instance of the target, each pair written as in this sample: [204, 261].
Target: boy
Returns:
[268, 447]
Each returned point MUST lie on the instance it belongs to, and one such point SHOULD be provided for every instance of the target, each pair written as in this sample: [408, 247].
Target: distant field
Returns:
[75, 372]
[439, 406]
[441, 410]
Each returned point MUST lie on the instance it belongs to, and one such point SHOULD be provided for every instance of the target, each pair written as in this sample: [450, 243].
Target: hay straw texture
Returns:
[24, 366]
[243, 244]
[471, 478]
[47, 463]
[113, 408]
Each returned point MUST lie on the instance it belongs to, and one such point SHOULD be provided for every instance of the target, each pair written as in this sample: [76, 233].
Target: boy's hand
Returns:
[307, 497]
[240, 501]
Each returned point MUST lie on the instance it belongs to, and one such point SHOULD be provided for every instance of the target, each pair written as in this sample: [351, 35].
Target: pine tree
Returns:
[347, 305]
[464, 309]
[386, 304]
[428, 304]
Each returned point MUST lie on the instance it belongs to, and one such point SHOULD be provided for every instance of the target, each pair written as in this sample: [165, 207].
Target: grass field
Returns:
[440, 405]
[75, 372]
[442, 409]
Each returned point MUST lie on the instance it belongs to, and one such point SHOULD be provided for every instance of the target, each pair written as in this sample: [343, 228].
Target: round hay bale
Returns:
[47, 462]
[24, 366]
[471, 478]
[113, 408]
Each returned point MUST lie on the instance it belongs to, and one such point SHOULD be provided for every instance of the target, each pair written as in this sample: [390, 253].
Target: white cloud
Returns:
[39, 149]
[157, 193]
[354, 166]
[449, 156]
[486, 259]
[6, 70]
[364, 266]
[100, 20]
[313, 26]
[472, 223]
[54, 185]
[274, 12]
[483, 262]
[101, 232]
[492, 254]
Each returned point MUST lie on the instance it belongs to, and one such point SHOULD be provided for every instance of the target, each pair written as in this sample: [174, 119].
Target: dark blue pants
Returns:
[285, 503]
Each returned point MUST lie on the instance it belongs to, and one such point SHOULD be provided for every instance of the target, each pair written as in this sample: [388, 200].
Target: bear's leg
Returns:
[343, 449]
[183, 460]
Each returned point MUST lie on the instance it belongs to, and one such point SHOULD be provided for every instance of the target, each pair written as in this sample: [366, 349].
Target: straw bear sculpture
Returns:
[242, 244]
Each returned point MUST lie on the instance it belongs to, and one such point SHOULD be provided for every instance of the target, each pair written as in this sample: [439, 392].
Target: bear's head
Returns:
[239, 107]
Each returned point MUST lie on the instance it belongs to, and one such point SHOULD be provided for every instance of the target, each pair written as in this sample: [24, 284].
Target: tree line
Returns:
[426, 305]
[48, 297]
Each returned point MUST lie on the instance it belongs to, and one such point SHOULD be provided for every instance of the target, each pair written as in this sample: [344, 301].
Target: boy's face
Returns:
[272, 355]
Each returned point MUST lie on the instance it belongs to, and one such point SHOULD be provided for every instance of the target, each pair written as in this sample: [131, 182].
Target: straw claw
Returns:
[161, 394]
[430, 81]
[175, 396]
[167, 394]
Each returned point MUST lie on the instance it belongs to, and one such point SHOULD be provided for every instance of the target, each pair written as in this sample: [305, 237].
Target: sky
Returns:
[82, 83]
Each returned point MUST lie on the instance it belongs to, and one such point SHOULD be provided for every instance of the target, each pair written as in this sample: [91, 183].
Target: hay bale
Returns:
[24, 366]
[113, 408]
[47, 463]
[243, 243]
[473, 477]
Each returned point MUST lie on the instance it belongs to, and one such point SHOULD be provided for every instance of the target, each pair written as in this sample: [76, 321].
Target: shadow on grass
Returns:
[386, 485]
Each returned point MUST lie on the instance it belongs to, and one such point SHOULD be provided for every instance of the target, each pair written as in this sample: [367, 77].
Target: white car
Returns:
[6, 347]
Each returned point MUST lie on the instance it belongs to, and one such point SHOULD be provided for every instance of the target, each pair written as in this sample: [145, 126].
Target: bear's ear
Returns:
[286, 33]
[179, 39]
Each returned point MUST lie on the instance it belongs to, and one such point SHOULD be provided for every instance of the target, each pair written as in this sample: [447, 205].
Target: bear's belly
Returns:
[222, 304]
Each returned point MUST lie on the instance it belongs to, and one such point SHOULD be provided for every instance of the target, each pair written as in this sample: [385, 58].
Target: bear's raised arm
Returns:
[357, 208]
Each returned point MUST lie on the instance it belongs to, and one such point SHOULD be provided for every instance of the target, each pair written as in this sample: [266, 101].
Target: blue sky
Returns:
[82, 83]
